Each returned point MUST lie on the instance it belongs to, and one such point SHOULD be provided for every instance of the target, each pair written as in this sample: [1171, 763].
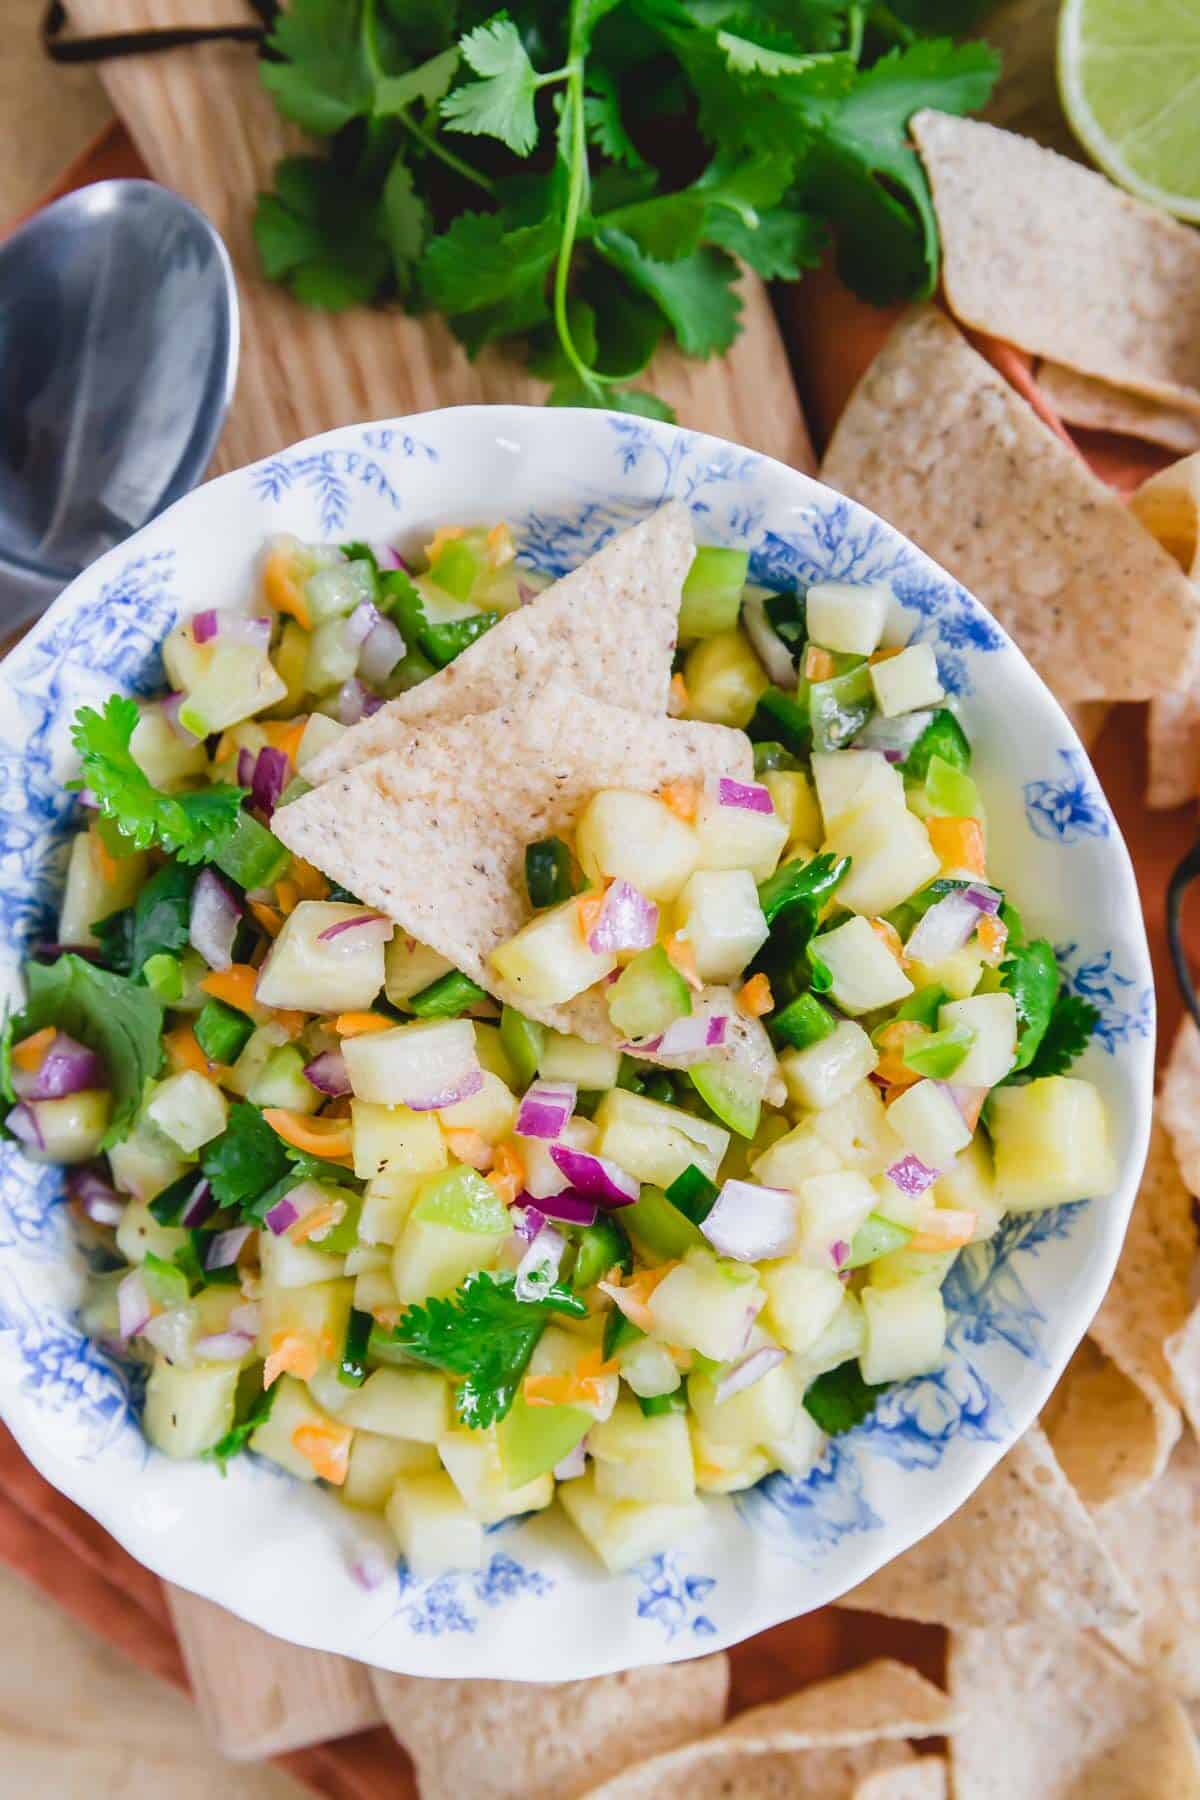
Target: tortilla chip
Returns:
[1098, 406]
[1051, 256]
[939, 444]
[1110, 1435]
[1021, 1548]
[922, 1779]
[608, 628]
[1150, 1296]
[434, 833]
[1168, 505]
[822, 1741]
[547, 1741]
[1179, 1102]
[1155, 1538]
[1182, 1352]
[1054, 1717]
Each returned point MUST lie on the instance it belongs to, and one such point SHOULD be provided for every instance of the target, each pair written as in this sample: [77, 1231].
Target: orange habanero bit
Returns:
[282, 591]
[285, 735]
[884, 655]
[507, 1176]
[292, 1353]
[891, 1042]
[588, 907]
[754, 997]
[958, 844]
[183, 1052]
[327, 1448]
[102, 856]
[445, 534]
[328, 1138]
[234, 985]
[311, 883]
[269, 917]
[682, 797]
[29, 1054]
[470, 1147]
[889, 937]
[683, 959]
[946, 1228]
[288, 895]
[818, 664]
[993, 936]
[357, 1024]
[320, 1219]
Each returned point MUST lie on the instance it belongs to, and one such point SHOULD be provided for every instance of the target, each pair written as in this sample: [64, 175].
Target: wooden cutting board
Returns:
[204, 126]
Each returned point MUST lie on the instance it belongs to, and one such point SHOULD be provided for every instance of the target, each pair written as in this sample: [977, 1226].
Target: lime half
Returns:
[1129, 76]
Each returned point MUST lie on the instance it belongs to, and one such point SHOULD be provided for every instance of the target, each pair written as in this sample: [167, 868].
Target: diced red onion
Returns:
[596, 1177]
[469, 1083]
[381, 650]
[983, 898]
[272, 772]
[361, 623]
[171, 1332]
[525, 591]
[370, 1566]
[357, 923]
[245, 1319]
[245, 768]
[205, 625]
[352, 701]
[749, 1222]
[22, 1121]
[133, 1304]
[769, 647]
[170, 707]
[911, 1175]
[944, 929]
[538, 1268]
[96, 1199]
[387, 558]
[226, 1247]
[87, 799]
[745, 796]
[968, 1100]
[372, 704]
[573, 1464]
[68, 1067]
[327, 1073]
[546, 1108]
[529, 1223]
[628, 921]
[894, 737]
[200, 1204]
[569, 1207]
[223, 1346]
[282, 1216]
[215, 916]
[235, 628]
[839, 1250]
[748, 1370]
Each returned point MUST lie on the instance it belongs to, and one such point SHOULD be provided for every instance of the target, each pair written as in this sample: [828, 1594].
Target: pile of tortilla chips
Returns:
[1065, 300]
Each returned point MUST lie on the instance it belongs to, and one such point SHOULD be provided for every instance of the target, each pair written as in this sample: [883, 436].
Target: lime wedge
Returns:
[1129, 76]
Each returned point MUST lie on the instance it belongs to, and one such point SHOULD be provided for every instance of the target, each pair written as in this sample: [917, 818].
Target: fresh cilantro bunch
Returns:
[587, 177]
[193, 825]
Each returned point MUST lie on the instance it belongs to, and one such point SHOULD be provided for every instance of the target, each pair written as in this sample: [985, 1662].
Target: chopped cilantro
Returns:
[246, 1162]
[841, 1399]
[256, 1412]
[156, 924]
[117, 1018]
[193, 825]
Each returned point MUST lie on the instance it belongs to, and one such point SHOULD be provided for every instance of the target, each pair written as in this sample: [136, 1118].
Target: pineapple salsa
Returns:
[378, 1217]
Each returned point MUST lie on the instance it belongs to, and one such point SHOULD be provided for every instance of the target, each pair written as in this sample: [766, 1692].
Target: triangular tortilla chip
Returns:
[1052, 257]
[1111, 1435]
[1099, 406]
[559, 1739]
[1021, 1548]
[434, 833]
[821, 1742]
[923, 1779]
[1154, 1536]
[939, 444]
[1179, 1103]
[608, 628]
[1182, 1351]
[1168, 505]
[1062, 1718]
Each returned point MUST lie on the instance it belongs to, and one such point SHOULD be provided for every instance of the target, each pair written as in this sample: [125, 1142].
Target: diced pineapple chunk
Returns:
[386, 1205]
[764, 1410]
[334, 975]
[639, 1458]
[825, 1072]
[793, 798]
[796, 1453]
[648, 1368]
[800, 1152]
[890, 856]
[456, 1226]
[848, 617]
[568, 1058]
[139, 1233]
[292, 1410]
[719, 915]
[993, 1019]
[377, 1463]
[549, 960]
[849, 779]
[865, 973]
[492, 1112]
[189, 1410]
[401, 1403]
[958, 974]
[145, 1163]
[968, 1185]
[287, 1264]
[625, 1532]
[1051, 1143]
[706, 1305]
[909, 1268]
[724, 679]
[188, 1108]
[801, 1301]
[927, 1122]
[737, 837]
[841, 1339]
[386, 1067]
[906, 682]
[97, 884]
[906, 1332]
[321, 732]
[318, 1314]
[634, 837]
[655, 1142]
[558, 1352]
[726, 1468]
[432, 1525]
[858, 1131]
[161, 753]
[409, 967]
[473, 1462]
[832, 1207]
[392, 1140]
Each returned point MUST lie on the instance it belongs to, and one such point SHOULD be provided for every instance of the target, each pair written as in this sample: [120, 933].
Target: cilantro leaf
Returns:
[501, 104]
[193, 825]
[777, 247]
[428, 82]
[245, 1161]
[155, 925]
[695, 294]
[326, 238]
[840, 1399]
[1031, 976]
[1065, 1038]
[117, 1018]
[405, 222]
[486, 1336]
[605, 125]
[321, 80]
[242, 1430]
[480, 260]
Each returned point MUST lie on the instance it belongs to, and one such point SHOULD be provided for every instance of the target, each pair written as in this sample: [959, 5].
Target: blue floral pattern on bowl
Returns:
[541, 1607]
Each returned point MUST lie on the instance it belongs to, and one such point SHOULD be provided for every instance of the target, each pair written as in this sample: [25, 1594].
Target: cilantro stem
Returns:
[577, 182]
[370, 50]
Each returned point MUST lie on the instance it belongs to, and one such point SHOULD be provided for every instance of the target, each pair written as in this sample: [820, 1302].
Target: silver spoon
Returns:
[118, 354]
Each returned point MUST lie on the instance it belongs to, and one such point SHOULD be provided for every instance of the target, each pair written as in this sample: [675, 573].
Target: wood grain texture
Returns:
[259, 1696]
[206, 127]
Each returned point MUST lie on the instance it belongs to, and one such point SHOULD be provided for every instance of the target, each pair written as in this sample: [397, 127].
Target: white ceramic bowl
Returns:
[277, 1553]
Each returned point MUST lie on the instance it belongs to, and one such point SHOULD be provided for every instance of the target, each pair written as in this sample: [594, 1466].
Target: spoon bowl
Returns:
[118, 354]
